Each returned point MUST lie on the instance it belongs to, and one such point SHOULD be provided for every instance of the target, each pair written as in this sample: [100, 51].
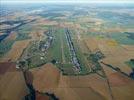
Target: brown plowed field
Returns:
[122, 86]
[48, 79]
[12, 83]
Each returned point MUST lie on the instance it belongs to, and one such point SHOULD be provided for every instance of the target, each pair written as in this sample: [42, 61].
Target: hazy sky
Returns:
[96, 1]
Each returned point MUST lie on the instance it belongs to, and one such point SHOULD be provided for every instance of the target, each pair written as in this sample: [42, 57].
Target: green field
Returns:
[5, 46]
[58, 53]
[58, 50]
[33, 55]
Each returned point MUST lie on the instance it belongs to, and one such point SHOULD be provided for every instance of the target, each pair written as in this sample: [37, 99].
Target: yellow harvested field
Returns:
[91, 43]
[112, 43]
[15, 51]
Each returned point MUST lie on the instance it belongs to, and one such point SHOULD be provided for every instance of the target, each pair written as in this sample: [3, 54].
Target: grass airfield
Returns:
[94, 60]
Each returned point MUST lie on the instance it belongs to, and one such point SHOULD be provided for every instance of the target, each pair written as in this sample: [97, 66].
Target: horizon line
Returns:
[40, 1]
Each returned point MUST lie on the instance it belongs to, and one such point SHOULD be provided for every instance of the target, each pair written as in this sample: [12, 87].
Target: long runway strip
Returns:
[74, 57]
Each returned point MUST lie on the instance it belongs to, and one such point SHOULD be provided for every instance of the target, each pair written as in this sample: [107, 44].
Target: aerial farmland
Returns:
[67, 52]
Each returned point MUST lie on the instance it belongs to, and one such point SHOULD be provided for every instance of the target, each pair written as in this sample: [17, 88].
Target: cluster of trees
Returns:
[5, 46]
[94, 58]
[23, 36]
[132, 73]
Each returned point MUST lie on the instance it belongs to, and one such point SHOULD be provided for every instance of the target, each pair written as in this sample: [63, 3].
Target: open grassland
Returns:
[54, 52]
